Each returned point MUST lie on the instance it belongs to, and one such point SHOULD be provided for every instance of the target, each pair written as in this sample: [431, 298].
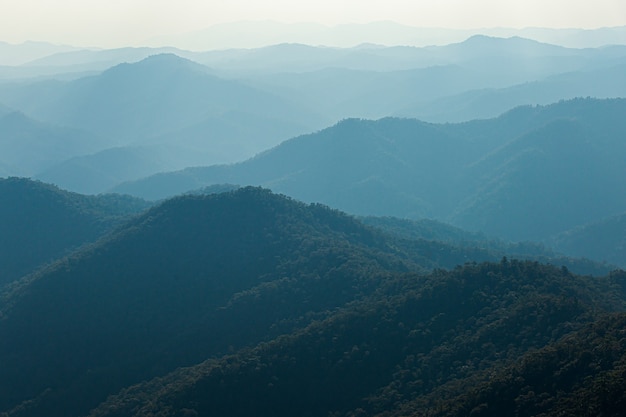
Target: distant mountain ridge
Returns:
[488, 176]
[29, 146]
[257, 34]
[159, 94]
[604, 240]
[163, 109]
[171, 110]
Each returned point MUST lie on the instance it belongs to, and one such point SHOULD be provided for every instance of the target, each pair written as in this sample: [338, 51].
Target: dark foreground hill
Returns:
[41, 223]
[192, 278]
[584, 374]
[418, 346]
[315, 312]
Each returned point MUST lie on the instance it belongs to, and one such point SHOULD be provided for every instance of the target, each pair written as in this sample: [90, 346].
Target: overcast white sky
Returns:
[111, 23]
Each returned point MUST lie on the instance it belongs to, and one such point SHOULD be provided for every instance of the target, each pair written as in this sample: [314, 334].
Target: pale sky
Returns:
[111, 23]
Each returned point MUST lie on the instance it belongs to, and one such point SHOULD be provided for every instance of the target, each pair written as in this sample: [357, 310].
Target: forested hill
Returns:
[437, 345]
[189, 279]
[201, 276]
[40, 222]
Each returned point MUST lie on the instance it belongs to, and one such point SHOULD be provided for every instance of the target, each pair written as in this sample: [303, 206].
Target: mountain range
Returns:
[29, 147]
[256, 34]
[154, 111]
[529, 174]
[325, 231]
[160, 114]
[241, 300]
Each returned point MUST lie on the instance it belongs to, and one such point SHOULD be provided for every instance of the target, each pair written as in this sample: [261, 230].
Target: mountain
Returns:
[191, 278]
[480, 77]
[96, 173]
[549, 180]
[489, 102]
[410, 350]
[174, 109]
[159, 94]
[505, 177]
[603, 240]
[480, 247]
[41, 223]
[254, 34]
[18, 54]
[75, 63]
[251, 274]
[98, 59]
[358, 166]
[343, 92]
[29, 146]
[424, 229]
[582, 374]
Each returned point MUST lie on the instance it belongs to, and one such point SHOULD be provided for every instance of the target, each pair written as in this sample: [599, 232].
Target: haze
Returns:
[142, 22]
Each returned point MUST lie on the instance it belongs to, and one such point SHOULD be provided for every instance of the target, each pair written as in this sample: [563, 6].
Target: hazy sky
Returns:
[131, 22]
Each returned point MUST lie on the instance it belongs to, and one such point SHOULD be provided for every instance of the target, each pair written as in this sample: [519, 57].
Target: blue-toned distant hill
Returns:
[175, 108]
[96, 173]
[28, 146]
[528, 174]
[604, 240]
[160, 94]
[478, 78]
[566, 173]
[484, 103]
[168, 112]
[17, 54]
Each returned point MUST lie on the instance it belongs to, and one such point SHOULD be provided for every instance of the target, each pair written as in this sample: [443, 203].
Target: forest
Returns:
[246, 301]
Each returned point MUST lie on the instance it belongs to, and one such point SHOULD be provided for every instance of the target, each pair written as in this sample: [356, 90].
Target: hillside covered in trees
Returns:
[41, 223]
[374, 224]
[247, 302]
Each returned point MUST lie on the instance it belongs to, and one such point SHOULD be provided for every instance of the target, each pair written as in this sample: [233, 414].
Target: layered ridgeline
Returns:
[161, 113]
[603, 239]
[300, 294]
[527, 175]
[41, 223]
[166, 111]
[28, 147]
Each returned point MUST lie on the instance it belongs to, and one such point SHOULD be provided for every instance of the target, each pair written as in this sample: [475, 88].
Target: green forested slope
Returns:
[410, 349]
[189, 279]
[40, 223]
[305, 301]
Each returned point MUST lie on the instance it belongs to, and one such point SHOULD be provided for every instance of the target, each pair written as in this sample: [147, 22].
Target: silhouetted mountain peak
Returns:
[515, 45]
[165, 64]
